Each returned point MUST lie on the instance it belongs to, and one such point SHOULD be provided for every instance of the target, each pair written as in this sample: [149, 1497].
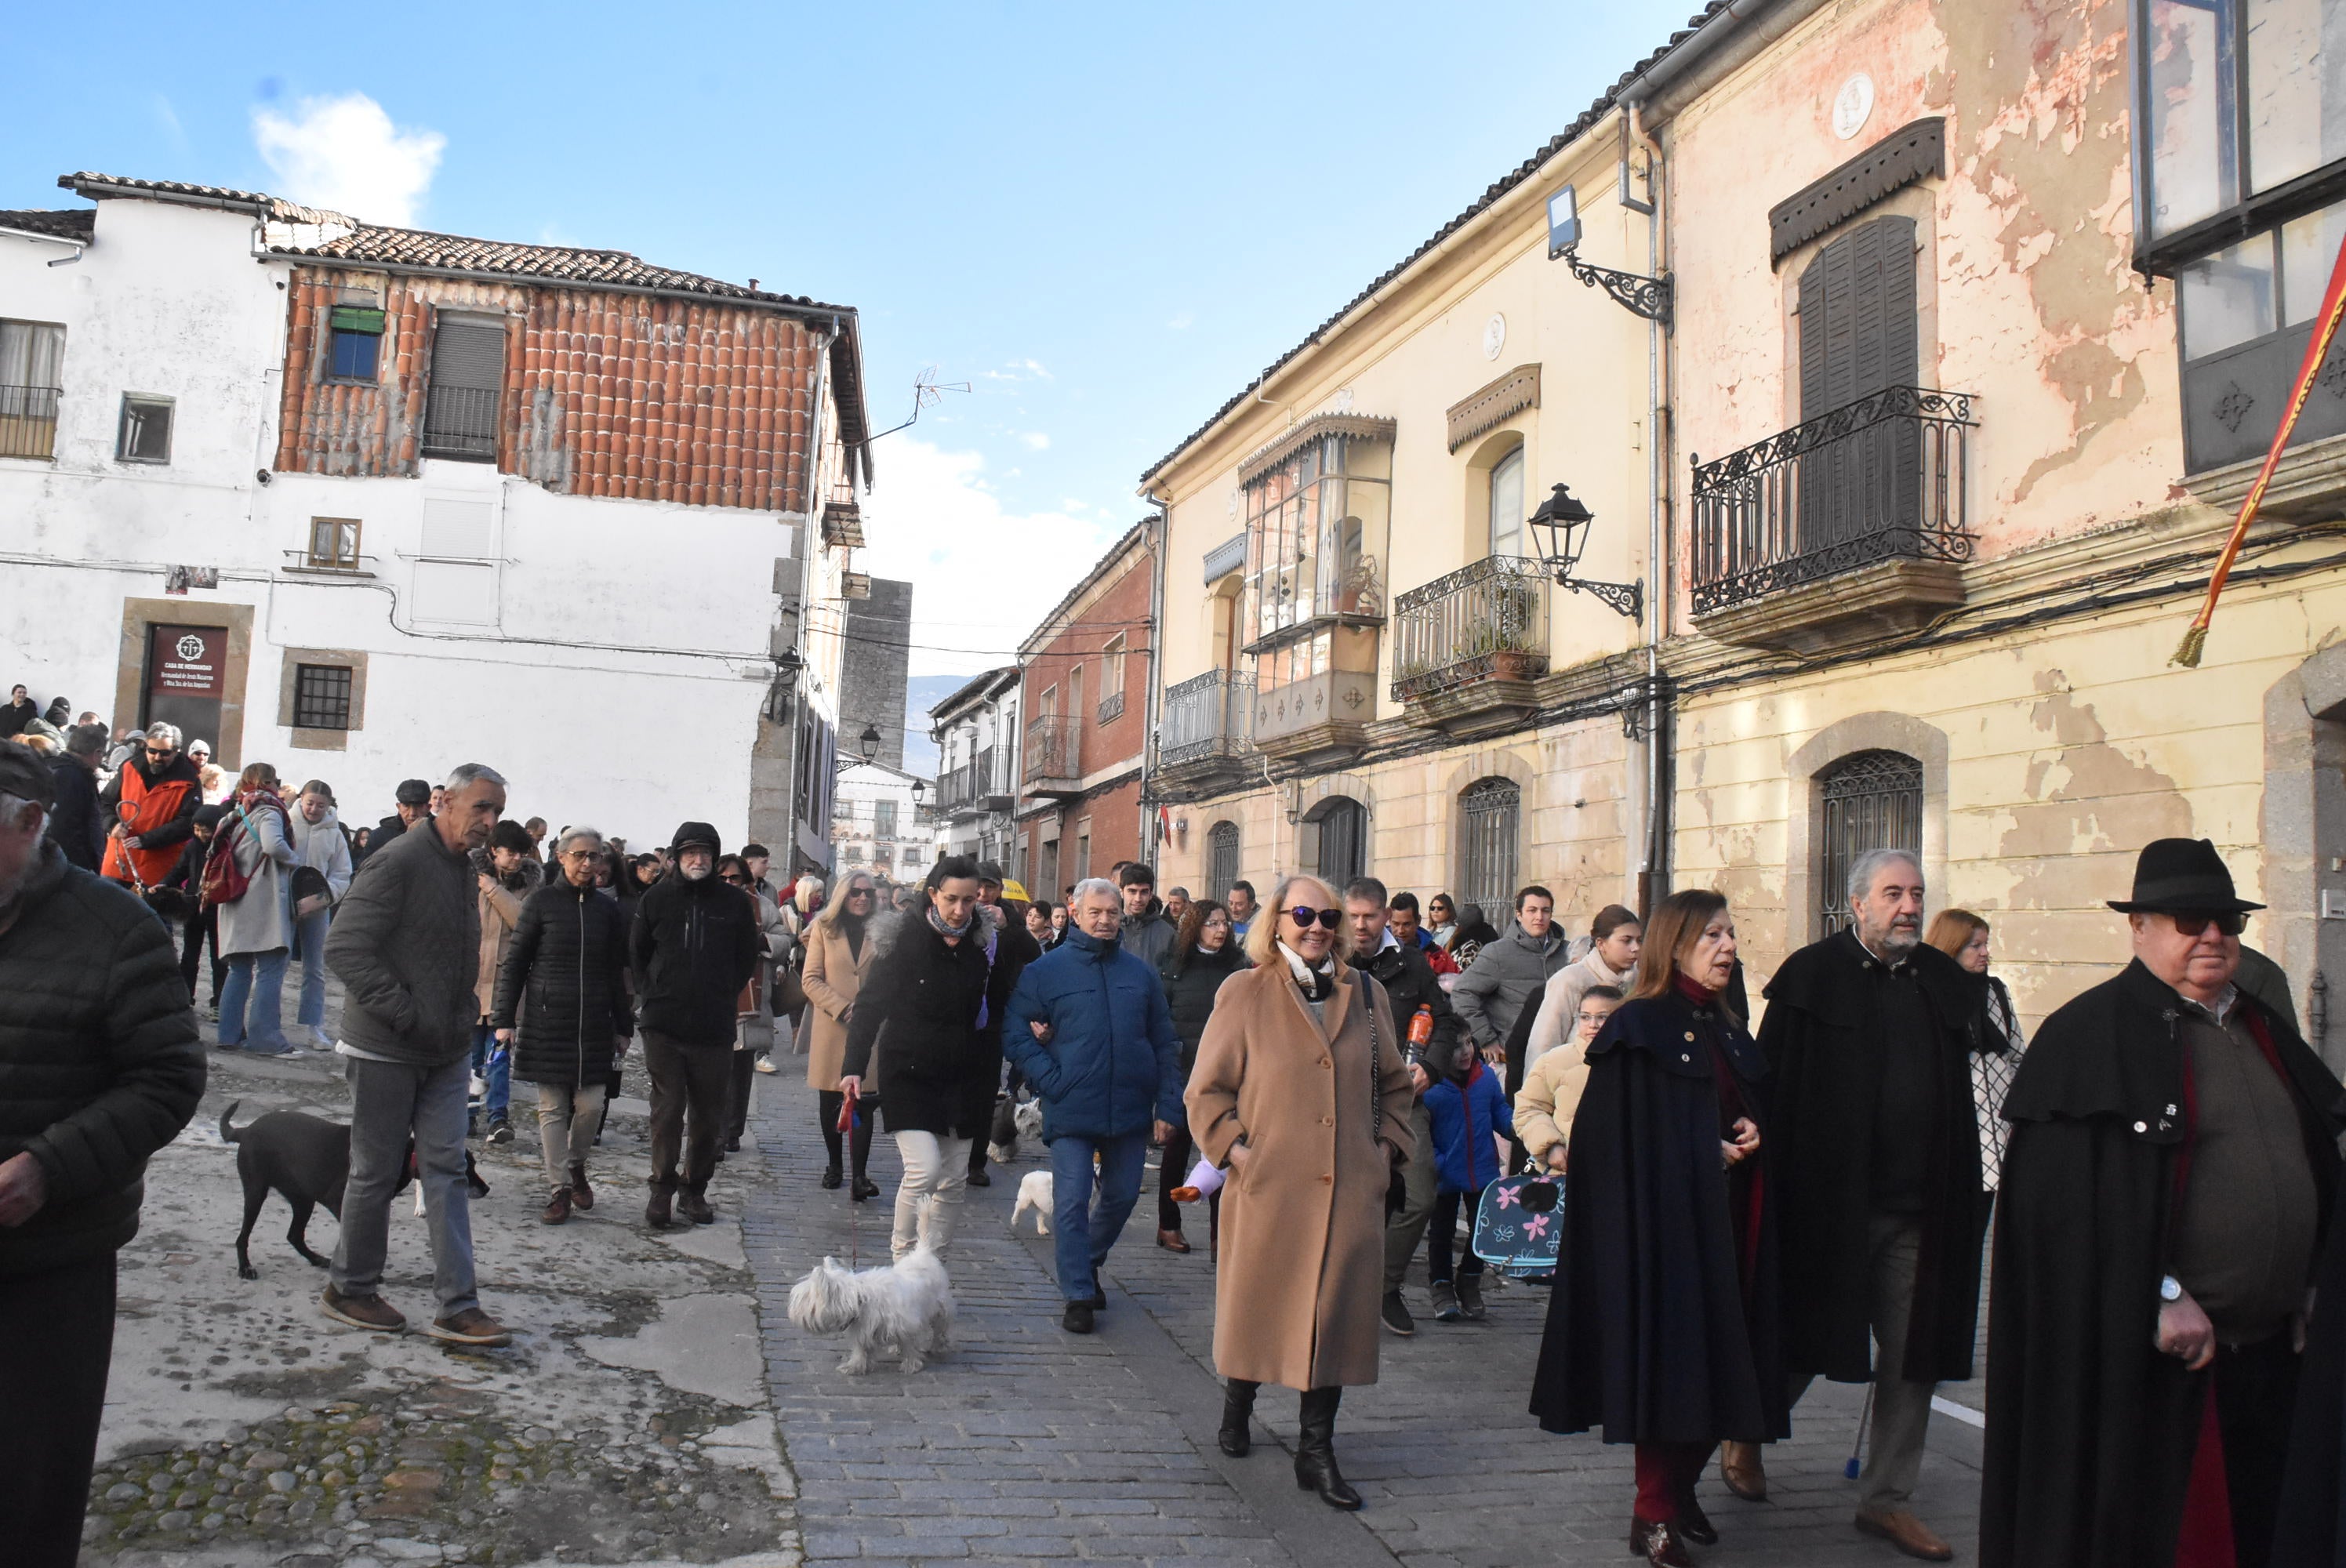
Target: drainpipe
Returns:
[809, 533]
[1159, 535]
[1654, 859]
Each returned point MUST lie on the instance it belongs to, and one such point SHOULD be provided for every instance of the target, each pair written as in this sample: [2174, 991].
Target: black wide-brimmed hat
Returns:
[2182, 876]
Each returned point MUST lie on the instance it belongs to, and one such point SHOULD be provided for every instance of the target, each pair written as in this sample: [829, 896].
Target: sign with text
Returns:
[188, 661]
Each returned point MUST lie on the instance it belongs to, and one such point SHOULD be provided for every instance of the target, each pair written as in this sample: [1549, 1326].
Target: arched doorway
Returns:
[1490, 820]
[1341, 825]
[1221, 858]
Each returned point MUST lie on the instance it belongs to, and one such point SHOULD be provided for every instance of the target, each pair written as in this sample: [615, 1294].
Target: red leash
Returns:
[847, 1114]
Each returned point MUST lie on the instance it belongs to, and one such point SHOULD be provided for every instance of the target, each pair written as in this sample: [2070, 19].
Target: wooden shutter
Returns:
[1859, 334]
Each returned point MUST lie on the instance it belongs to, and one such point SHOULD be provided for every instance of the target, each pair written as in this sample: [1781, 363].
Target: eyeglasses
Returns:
[1305, 914]
[161, 750]
[738, 881]
[2230, 923]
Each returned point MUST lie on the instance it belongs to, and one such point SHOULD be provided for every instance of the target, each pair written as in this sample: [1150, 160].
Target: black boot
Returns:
[1238, 1406]
[1315, 1450]
[859, 1145]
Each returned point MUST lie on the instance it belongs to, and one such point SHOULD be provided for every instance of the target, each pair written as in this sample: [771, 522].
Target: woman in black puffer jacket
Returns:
[566, 976]
[1202, 956]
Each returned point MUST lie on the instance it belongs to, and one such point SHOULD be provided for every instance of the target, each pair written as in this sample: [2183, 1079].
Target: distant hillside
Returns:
[920, 751]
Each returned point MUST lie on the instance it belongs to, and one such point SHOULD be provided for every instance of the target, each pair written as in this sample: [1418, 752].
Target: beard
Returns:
[1897, 941]
[695, 874]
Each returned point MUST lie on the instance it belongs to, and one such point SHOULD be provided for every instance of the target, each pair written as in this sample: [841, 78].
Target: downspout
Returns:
[1653, 860]
[809, 532]
[1163, 532]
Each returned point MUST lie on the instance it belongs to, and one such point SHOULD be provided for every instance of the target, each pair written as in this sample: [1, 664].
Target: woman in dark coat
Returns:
[1202, 956]
[931, 1005]
[563, 988]
[1663, 1326]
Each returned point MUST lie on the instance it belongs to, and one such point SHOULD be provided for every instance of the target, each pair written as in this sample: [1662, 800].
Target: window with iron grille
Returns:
[1872, 800]
[1343, 842]
[1221, 858]
[1490, 816]
[334, 544]
[32, 359]
[468, 368]
[321, 697]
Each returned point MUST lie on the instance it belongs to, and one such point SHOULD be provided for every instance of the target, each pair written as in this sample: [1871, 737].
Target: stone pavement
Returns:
[1030, 1444]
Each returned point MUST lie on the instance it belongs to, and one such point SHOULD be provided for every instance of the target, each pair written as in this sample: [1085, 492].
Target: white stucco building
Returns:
[881, 823]
[444, 500]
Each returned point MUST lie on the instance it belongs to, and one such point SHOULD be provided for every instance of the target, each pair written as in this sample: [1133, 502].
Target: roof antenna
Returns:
[927, 393]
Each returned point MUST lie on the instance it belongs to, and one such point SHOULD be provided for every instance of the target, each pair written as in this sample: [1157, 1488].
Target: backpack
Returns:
[224, 880]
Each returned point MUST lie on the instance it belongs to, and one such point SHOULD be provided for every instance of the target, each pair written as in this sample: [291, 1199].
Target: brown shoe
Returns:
[1906, 1533]
[657, 1212]
[1740, 1471]
[557, 1207]
[362, 1312]
[471, 1327]
[693, 1204]
[1172, 1241]
[582, 1196]
[1658, 1542]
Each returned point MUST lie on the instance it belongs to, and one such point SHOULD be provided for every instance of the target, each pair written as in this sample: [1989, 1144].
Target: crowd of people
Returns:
[1346, 1071]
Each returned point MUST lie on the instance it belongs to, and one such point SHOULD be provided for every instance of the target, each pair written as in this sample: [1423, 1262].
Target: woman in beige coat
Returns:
[1302, 1096]
[838, 947]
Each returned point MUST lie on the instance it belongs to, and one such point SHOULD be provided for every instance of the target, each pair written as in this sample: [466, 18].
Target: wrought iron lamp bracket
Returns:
[1625, 599]
[1633, 291]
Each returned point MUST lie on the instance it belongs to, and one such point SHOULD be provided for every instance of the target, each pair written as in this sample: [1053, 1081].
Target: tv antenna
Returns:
[927, 393]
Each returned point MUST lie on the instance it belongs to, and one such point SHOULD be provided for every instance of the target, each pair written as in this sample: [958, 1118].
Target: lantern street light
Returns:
[867, 742]
[1565, 524]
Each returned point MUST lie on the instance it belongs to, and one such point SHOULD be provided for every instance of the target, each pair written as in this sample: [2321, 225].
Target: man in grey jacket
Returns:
[1507, 973]
[1146, 932]
[405, 943]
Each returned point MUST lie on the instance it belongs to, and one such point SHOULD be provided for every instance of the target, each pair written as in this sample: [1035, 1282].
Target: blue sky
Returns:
[1106, 221]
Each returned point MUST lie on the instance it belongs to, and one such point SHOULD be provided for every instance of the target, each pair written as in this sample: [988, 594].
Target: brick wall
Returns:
[605, 393]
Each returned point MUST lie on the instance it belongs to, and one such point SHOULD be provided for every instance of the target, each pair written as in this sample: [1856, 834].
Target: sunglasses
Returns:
[161, 750]
[738, 881]
[2231, 923]
[1305, 914]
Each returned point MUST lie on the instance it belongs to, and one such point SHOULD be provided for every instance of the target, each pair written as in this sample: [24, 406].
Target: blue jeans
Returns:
[493, 1062]
[1081, 1234]
[310, 941]
[389, 1100]
[252, 1003]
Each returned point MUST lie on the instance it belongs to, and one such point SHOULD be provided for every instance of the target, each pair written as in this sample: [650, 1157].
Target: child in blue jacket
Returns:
[1466, 1104]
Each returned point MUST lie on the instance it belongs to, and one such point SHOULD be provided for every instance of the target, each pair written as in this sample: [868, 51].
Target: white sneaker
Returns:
[320, 1040]
[766, 1064]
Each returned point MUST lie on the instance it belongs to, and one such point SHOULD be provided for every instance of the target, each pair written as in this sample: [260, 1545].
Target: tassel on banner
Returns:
[2333, 304]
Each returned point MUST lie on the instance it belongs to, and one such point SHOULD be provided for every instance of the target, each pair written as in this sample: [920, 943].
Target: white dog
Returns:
[1034, 1193]
[906, 1311]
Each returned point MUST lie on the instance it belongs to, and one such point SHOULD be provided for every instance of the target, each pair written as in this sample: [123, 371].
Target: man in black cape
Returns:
[2170, 1171]
[1873, 1145]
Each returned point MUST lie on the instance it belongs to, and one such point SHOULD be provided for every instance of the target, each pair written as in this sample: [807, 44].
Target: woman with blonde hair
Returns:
[1300, 1094]
[1663, 1326]
[1964, 937]
[839, 948]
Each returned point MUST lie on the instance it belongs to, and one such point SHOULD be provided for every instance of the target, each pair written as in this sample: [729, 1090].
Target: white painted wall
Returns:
[617, 663]
[854, 818]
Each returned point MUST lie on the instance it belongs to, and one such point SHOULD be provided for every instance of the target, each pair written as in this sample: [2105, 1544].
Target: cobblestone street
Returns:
[1032, 1444]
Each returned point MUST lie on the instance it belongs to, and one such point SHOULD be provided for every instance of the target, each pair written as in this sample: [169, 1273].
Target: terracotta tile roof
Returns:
[1522, 172]
[89, 183]
[76, 224]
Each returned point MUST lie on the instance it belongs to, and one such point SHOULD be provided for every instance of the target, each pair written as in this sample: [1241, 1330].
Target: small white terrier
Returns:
[1034, 1193]
[906, 1311]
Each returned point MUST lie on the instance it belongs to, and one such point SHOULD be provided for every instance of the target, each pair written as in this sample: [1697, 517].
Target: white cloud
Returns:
[1182, 322]
[1036, 440]
[344, 153]
[1036, 369]
[983, 576]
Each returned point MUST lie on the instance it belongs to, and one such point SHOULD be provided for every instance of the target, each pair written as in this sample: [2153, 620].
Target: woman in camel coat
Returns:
[1303, 1095]
[838, 950]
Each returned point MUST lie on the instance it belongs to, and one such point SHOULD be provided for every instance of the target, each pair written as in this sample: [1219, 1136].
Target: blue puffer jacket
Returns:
[1464, 1116]
[1114, 1064]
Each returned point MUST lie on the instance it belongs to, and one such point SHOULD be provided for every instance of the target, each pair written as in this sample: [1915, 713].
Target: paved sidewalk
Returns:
[1030, 1444]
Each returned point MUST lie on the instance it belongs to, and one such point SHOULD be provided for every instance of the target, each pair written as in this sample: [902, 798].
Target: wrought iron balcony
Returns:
[461, 422]
[1055, 763]
[1205, 737]
[975, 788]
[28, 421]
[1878, 480]
[1485, 622]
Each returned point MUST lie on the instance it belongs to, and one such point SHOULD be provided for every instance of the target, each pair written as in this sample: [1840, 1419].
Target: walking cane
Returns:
[847, 1119]
[1864, 1416]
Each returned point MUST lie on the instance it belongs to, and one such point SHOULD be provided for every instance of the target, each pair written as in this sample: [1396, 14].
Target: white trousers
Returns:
[928, 1200]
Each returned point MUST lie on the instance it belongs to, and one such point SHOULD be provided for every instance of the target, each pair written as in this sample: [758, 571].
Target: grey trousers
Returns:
[389, 1101]
[1901, 1410]
[1405, 1229]
[568, 1115]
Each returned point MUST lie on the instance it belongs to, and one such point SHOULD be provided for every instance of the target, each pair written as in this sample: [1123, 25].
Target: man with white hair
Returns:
[151, 806]
[406, 945]
[100, 1065]
[1873, 1175]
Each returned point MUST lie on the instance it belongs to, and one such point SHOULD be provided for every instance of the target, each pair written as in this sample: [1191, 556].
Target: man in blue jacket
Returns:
[1090, 1028]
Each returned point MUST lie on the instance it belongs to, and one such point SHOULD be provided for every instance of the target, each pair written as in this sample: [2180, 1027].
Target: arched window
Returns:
[1872, 800]
[1343, 833]
[1221, 858]
[1507, 504]
[1490, 818]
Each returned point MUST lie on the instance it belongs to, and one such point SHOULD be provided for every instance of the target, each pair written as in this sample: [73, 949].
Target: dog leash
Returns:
[1864, 1418]
[848, 1110]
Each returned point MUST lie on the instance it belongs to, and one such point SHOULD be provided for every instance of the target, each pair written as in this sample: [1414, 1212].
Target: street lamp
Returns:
[1564, 522]
[869, 742]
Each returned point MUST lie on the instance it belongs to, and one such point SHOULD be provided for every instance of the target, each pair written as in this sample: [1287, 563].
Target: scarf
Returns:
[955, 931]
[1316, 983]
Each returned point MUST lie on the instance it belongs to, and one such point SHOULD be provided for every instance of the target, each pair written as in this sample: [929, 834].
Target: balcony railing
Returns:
[1207, 717]
[1877, 479]
[1488, 620]
[974, 788]
[28, 421]
[1111, 708]
[461, 422]
[1054, 750]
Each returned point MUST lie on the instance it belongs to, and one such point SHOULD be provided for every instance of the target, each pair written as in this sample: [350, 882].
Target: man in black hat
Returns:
[2172, 1161]
[694, 945]
[411, 803]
